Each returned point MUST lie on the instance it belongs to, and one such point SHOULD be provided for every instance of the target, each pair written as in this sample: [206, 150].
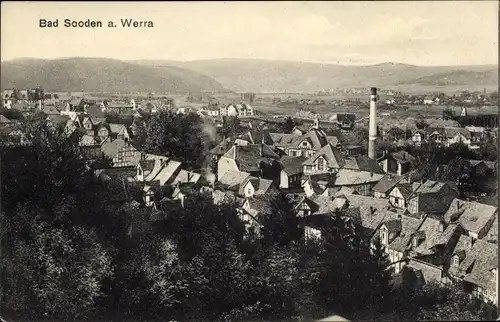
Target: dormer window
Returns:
[384, 236]
[304, 144]
[456, 260]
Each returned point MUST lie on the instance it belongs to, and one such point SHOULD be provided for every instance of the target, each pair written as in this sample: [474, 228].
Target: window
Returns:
[321, 164]
[304, 144]
[384, 238]
[249, 191]
[456, 260]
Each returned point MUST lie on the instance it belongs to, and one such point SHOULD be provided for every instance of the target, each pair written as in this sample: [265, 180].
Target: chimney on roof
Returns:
[316, 124]
[442, 226]
[372, 210]
[261, 149]
[458, 204]
[373, 123]
[235, 152]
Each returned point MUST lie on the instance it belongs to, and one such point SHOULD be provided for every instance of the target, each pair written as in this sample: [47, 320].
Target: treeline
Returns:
[67, 253]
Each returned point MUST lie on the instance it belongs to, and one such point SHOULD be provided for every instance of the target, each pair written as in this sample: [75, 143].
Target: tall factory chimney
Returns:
[373, 123]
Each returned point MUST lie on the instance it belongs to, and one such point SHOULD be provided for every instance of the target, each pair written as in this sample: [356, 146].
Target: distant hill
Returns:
[280, 76]
[102, 75]
[459, 77]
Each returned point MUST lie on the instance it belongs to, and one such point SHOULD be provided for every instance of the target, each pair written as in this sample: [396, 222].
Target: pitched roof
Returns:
[402, 156]
[405, 189]
[222, 147]
[233, 178]
[332, 156]
[315, 137]
[166, 172]
[363, 163]
[292, 165]
[260, 185]
[326, 205]
[185, 176]
[492, 235]
[387, 182]
[3, 119]
[345, 177]
[248, 157]
[478, 263]
[58, 118]
[451, 132]
[433, 237]
[111, 148]
[472, 216]
[117, 128]
[283, 139]
[431, 186]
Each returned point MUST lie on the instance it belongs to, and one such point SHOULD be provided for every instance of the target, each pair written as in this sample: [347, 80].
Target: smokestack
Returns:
[373, 123]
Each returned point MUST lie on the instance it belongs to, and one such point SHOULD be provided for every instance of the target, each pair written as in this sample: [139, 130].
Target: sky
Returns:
[348, 33]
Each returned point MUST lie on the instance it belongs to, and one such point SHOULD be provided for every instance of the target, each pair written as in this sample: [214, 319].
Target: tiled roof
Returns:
[387, 183]
[326, 205]
[402, 156]
[333, 157]
[167, 171]
[260, 185]
[292, 165]
[248, 157]
[222, 147]
[185, 176]
[233, 178]
[352, 177]
[431, 186]
[451, 132]
[433, 237]
[363, 163]
[492, 235]
[405, 189]
[111, 148]
[472, 216]
[58, 118]
[283, 139]
[95, 112]
[478, 262]
[117, 128]
[344, 191]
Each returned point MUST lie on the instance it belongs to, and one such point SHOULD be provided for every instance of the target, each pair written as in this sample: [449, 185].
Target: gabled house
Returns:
[123, 154]
[327, 159]
[254, 186]
[397, 163]
[307, 144]
[162, 172]
[362, 182]
[434, 241]
[119, 131]
[432, 197]
[400, 195]
[395, 235]
[437, 135]
[457, 135]
[103, 132]
[418, 137]
[257, 159]
[291, 172]
[475, 263]
[185, 176]
[475, 218]
[385, 185]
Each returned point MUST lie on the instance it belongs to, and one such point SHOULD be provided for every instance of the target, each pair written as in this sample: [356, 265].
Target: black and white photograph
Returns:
[249, 161]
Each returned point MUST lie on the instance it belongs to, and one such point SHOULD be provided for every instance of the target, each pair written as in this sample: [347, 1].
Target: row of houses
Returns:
[470, 136]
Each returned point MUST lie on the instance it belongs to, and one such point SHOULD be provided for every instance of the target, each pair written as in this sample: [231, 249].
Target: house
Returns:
[400, 195]
[418, 137]
[434, 241]
[327, 159]
[185, 176]
[475, 218]
[95, 114]
[251, 213]
[346, 121]
[103, 132]
[363, 163]
[307, 144]
[360, 181]
[254, 186]
[57, 121]
[437, 135]
[74, 105]
[398, 163]
[123, 154]
[255, 159]
[119, 131]
[385, 185]
[236, 110]
[88, 140]
[395, 235]
[457, 135]
[157, 169]
[475, 263]
[432, 197]
[291, 172]
[231, 180]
